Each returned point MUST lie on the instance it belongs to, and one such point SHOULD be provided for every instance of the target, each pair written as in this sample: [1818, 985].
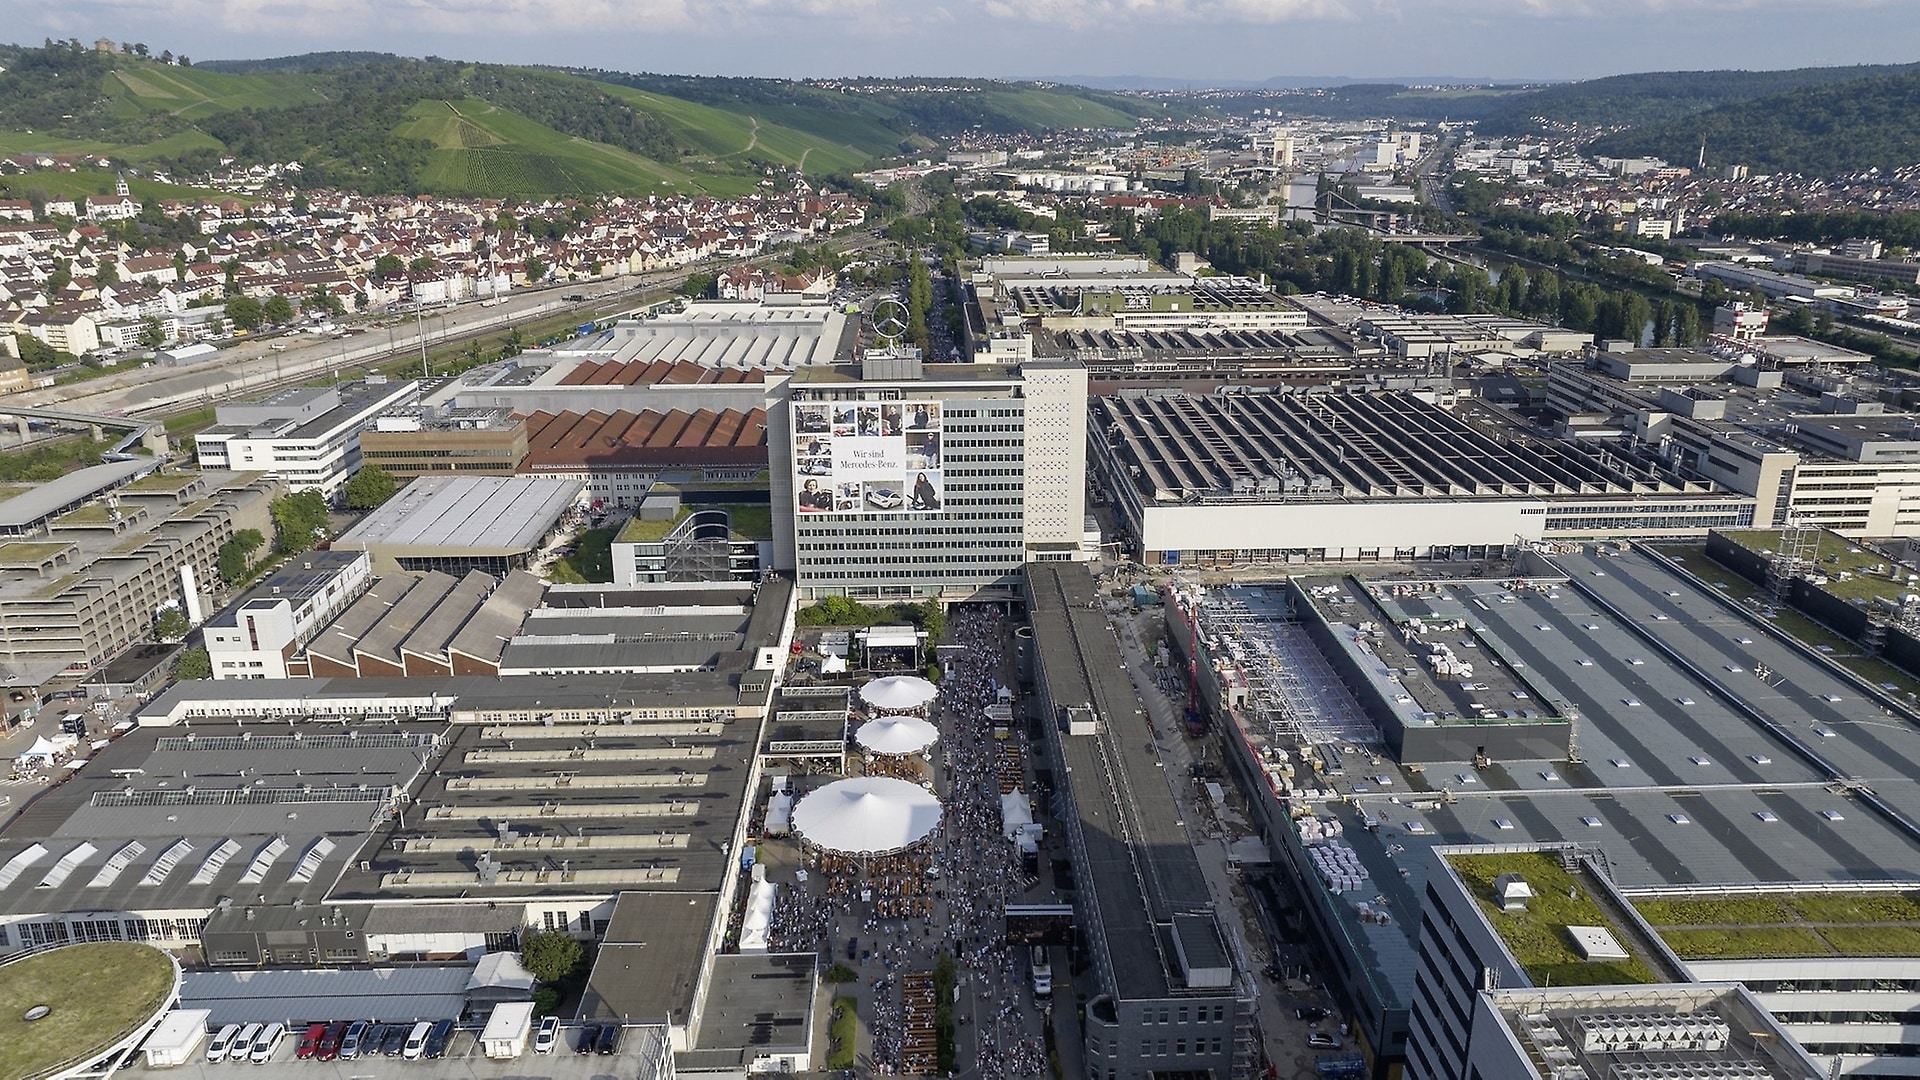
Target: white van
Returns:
[1042, 972]
[417, 1040]
[267, 1043]
[222, 1042]
[243, 1042]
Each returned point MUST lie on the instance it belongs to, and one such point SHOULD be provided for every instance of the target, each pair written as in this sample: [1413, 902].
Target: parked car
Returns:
[396, 1040]
[222, 1043]
[267, 1043]
[1324, 1041]
[549, 1033]
[329, 1047]
[310, 1041]
[242, 1044]
[609, 1041]
[589, 1036]
[350, 1045]
[417, 1041]
[1310, 1013]
[438, 1037]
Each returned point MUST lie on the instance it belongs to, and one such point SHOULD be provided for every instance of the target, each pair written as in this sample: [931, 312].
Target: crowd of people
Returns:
[983, 866]
[895, 915]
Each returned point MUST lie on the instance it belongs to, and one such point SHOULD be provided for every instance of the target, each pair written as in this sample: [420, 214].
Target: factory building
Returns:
[1251, 478]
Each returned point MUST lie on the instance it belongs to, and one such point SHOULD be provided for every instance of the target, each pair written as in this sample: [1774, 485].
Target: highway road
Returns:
[253, 366]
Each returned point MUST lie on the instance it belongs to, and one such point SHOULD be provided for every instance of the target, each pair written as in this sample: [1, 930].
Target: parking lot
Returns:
[462, 1060]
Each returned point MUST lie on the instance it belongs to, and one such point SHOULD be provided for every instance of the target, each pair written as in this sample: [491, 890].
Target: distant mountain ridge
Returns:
[1829, 130]
[383, 123]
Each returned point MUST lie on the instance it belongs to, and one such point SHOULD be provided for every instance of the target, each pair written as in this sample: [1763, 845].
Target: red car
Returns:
[310, 1040]
[329, 1047]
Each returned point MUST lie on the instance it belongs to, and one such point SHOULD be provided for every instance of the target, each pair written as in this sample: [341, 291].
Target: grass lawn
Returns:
[592, 556]
[1745, 943]
[651, 530]
[98, 993]
[1810, 924]
[1856, 907]
[844, 1034]
[1711, 911]
[1538, 936]
[751, 522]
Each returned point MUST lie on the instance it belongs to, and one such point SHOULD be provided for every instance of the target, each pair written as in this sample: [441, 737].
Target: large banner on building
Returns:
[867, 458]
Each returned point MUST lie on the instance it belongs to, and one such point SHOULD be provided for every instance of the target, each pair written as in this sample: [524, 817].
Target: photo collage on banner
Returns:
[861, 457]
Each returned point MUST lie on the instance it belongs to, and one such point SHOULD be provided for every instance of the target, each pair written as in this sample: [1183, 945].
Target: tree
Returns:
[277, 309]
[699, 286]
[551, 955]
[369, 487]
[235, 556]
[536, 269]
[300, 521]
[170, 625]
[194, 663]
[387, 266]
[106, 273]
[244, 312]
[152, 334]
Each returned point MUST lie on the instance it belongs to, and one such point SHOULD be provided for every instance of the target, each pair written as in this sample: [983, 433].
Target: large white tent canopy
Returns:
[896, 735]
[898, 692]
[867, 815]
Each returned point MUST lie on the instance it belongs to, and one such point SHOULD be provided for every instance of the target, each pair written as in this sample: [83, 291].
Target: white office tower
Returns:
[912, 481]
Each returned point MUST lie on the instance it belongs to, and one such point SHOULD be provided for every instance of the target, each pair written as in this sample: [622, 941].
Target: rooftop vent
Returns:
[1512, 892]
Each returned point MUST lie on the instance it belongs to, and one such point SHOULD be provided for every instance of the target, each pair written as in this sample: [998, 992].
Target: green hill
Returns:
[381, 123]
[1655, 97]
[1829, 130]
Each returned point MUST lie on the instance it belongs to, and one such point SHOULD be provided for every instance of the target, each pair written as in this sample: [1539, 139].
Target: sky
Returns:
[1197, 40]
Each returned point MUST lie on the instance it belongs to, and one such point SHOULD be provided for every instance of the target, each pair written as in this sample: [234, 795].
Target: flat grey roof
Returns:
[312, 995]
[647, 964]
[466, 513]
[758, 1004]
[1128, 843]
[1672, 787]
[182, 818]
[648, 805]
[53, 496]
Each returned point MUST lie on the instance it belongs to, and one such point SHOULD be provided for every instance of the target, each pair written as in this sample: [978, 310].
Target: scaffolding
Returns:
[1793, 557]
[1289, 683]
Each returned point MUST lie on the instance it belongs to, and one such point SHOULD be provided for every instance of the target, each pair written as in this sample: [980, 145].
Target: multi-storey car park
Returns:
[1704, 754]
[1250, 478]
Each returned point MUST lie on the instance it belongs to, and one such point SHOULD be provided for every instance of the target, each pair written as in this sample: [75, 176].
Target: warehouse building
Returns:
[1684, 776]
[455, 524]
[1251, 478]
[619, 456]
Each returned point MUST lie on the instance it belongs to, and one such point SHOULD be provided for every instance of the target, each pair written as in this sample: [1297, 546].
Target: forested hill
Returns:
[318, 61]
[1830, 130]
[1656, 96]
[1595, 105]
[381, 123]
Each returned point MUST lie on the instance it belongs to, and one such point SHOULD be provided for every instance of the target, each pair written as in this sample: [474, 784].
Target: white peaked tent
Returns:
[896, 735]
[898, 692]
[868, 815]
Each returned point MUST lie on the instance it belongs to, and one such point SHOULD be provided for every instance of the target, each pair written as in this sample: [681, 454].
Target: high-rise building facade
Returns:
[903, 481]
